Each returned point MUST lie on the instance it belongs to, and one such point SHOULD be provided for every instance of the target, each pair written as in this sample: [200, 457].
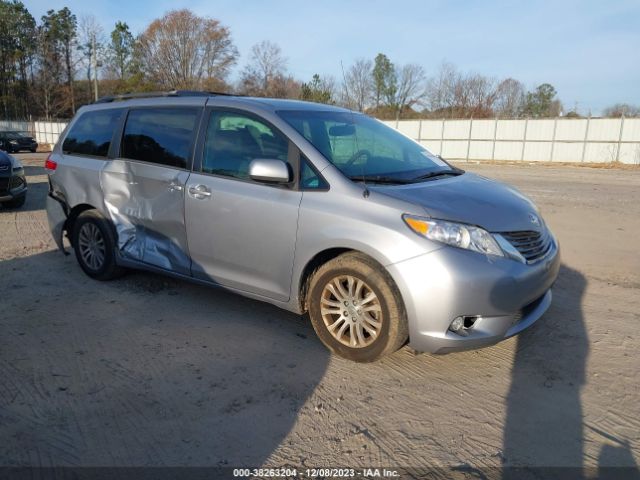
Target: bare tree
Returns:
[91, 47]
[479, 95]
[621, 109]
[510, 95]
[357, 88]
[182, 50]
[284, 86]
[266, 70]
[453, 94]
[440, 90]
[411, 87]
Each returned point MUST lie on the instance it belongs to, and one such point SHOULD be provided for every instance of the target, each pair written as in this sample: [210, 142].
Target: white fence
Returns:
[548, 140]
[43, 132]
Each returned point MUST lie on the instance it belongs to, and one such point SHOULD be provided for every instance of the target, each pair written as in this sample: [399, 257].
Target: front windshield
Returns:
[13, 135]
[364, 148]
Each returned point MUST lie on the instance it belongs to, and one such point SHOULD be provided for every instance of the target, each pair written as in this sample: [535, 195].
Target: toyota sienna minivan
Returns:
[313, 208]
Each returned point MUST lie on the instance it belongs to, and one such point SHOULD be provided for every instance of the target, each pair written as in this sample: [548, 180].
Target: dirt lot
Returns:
[148, 370]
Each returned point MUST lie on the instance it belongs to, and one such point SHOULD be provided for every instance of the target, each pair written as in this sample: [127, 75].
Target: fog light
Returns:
[457, 324]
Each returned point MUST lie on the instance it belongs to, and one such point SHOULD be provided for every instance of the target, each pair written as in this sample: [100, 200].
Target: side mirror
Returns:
[269, 171]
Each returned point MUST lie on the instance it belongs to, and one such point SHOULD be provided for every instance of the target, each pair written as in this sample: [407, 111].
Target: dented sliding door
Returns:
[144, 188]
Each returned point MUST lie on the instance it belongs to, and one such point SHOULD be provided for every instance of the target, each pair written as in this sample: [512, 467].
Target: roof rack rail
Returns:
[171, 93]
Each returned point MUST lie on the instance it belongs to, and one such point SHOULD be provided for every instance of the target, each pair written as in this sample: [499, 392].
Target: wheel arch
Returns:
[320, 259]
[73, 216]
[309, 269]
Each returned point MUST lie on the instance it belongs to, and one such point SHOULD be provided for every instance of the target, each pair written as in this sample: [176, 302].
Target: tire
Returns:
[371, 329]
[16, 202]
[94, 243]
[33, 150]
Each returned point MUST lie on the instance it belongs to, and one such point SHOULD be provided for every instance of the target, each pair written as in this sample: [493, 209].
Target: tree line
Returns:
[48, 68]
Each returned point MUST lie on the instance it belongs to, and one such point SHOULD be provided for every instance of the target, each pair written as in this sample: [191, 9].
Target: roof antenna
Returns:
[365, 192]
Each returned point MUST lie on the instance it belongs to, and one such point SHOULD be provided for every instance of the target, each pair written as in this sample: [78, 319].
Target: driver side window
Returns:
[234, 140]
[356, 145]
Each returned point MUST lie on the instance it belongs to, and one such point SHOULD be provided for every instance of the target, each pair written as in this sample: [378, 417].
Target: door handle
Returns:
[175, 187]
[199, 192]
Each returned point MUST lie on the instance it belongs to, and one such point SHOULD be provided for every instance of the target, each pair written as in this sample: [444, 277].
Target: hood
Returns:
[471, 199]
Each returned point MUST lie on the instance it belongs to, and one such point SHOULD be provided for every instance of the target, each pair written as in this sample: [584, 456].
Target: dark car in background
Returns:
[13, 184]
[13, 142]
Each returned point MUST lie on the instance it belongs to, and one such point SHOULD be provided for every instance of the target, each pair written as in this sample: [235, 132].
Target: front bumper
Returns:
[11, 194]
[22, 146]
[507, 296]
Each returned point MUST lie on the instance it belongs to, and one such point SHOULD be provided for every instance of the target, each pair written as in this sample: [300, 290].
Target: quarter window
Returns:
[233, 140]
[160, 135]
[309, 179]
[91, 133]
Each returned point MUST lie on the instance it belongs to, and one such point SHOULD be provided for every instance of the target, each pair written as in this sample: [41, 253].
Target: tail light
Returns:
[50, 164]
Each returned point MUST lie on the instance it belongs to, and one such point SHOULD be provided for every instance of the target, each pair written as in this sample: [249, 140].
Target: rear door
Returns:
[241, 233]
[144, 187]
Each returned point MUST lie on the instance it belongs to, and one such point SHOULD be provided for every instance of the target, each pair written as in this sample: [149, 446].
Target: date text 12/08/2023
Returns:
[316, 473]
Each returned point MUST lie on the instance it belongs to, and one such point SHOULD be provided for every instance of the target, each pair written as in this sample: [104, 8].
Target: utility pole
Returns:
[94, 62]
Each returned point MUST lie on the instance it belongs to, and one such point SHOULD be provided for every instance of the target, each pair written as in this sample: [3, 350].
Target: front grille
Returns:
[532, 245]
[16, 182]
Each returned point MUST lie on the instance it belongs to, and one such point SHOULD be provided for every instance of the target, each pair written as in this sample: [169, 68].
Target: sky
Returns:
[588, 50]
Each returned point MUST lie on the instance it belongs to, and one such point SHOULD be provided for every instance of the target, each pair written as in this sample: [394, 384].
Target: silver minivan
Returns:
[313, 208]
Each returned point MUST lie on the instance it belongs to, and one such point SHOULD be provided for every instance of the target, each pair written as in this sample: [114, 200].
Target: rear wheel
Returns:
[356, 309]
[94, 244]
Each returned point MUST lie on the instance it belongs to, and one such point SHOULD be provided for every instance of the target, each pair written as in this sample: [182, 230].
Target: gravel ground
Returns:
[148, 370]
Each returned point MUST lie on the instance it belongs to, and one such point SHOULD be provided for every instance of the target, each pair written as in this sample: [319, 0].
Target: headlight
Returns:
[13, 142]
[455, 234]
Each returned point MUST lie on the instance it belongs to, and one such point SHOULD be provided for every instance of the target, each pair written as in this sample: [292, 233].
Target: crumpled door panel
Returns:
[146, 204]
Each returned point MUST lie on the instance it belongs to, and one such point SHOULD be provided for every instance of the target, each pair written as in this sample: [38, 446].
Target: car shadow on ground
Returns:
[145, 370]
[544, 429]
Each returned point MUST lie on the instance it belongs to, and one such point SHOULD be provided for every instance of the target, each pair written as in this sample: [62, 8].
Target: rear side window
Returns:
[91, 133]
[160, 135]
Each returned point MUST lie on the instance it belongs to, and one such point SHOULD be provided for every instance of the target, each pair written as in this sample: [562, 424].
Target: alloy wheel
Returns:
[351, 311]
[91, 245]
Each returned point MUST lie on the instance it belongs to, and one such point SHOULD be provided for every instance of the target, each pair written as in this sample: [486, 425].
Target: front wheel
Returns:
[94, 244]
[356, 308]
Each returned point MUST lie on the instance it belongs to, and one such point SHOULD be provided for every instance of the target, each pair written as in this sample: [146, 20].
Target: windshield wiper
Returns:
[382, 179]
[454, 172]
[378, 179]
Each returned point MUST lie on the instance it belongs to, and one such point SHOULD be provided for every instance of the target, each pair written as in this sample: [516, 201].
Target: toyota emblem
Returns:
[534, 219]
